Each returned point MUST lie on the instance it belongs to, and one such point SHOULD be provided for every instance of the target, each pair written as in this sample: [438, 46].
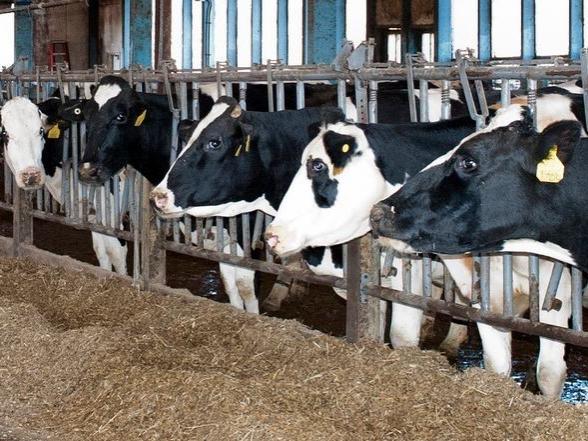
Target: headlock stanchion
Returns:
[104, 210]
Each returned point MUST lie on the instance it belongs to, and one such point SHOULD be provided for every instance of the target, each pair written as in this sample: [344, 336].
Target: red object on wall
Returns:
[58, 52]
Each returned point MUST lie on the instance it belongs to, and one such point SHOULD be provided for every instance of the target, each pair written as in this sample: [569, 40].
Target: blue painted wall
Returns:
[187, 34]
[23, 33]
[444, 46]
[137, 32]
[576, 28]
[325, 29]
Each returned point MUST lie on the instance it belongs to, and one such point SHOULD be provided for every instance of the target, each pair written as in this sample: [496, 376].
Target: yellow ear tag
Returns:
[551, 169]
[54, 132]
[345, 148]
[140, 118]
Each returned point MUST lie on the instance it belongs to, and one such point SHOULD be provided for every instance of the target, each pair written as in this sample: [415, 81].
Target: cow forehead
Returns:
[20, 114]
[316, 148]
[105, 92]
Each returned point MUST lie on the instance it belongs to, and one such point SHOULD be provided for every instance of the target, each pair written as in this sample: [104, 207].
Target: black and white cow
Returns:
[347, 168]
[34, 150]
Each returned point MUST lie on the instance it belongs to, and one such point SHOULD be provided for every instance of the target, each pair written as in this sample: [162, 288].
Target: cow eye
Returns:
[214, 144]
[467, 164]
[78, 111]
[41, 131]
[318, 165]
[121, 117]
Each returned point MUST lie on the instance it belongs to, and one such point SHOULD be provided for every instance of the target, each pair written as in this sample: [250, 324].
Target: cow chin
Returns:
[281, 242]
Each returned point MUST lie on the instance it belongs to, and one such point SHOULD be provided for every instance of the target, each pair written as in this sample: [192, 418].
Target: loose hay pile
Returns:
[84, 359]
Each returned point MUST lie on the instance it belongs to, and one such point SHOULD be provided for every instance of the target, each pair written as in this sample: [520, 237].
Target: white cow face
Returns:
[22, 122]
[329, 200]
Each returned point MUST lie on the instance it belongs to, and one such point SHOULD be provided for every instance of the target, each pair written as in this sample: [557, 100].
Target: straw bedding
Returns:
[89, 359]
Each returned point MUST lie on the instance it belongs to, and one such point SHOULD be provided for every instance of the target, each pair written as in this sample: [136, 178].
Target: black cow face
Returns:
[114, 117]
[221, 165]
[490, 190]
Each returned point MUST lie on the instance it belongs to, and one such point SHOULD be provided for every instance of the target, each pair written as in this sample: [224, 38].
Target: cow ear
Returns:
[236, 111]
[561, 138]
[186, 128]
[72, 110]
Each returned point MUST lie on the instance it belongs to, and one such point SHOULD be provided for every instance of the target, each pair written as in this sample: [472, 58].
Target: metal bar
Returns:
[136, 196]
[342, 95]
[353, 330]
[459, 311]
[245, 225]
[448, 286]
[200, 232]
[116, 201]
[243, 95]
[576, 28]
[445, 99]
[187, 34]
[551, 293]
[577, 299]
[532, 99]
[423, 101]
[485, 282]
[505, 92]
[410, 85]
[283, 30]
[195, 101]
[507, 309]
[183, 95]
[300, 99]
[257, 265]
[176, 230]
[533, 288]
[98, 205]
[233, 235]
[406, 276]
[229, 88]
[220, 240]
[484, 27]
[256, 31]
[584, 71]
[268, 254]
[256, 242]
[232, 31]
[280, 96]
[373, 102]
[187, 229]
[528, 29]
[444, 32]
[270, 87]
[427, 277]
[107, 204]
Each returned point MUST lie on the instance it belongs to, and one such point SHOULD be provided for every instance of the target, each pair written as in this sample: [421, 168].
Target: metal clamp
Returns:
[464, 58]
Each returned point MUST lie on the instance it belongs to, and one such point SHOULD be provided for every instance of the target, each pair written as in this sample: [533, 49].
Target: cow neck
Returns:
[151, 150]
[280, 139]
[413, 145]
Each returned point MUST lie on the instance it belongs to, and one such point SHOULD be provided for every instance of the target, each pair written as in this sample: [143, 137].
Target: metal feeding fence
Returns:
[102, 210]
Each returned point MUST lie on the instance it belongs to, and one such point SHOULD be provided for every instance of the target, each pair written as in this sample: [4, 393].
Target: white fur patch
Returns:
[547, 249]
[106, 92]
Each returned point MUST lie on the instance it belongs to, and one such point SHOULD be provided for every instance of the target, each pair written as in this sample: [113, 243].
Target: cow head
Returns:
[494, 187]
[114, 117]
[219, 171]
[22, 134]
[328, 201]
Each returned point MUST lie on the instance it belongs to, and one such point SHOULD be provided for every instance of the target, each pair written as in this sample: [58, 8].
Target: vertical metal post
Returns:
[552, 286]
[484, 30]
[283, 30]
[22, 230]
[152, 251]
[233, 235]
[444, 34]
[485, 282]
[533, 288]
[507, 309]
[505, 92]
[576, 28]
[427, 276]
[187, 34]
[423, 101]
[268, 255]
[373, 102]
[280, 96]
[232, 32]
[528, 29]
[245, 225]
[256, 31]
[576, 299]
[300, 99]
[445, 99]
[342, 95]
[243, 95]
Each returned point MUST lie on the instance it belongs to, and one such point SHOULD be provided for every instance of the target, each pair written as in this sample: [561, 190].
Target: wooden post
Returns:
[22, 220]
[363, 312]
[152, 250]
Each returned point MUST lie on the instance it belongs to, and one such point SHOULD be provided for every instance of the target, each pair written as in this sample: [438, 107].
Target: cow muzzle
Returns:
[92, 174]
[31, 178]
[382, 220]
[280, 241]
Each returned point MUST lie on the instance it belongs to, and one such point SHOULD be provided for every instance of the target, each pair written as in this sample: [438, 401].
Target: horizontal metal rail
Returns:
[257, 265]
[467, 313]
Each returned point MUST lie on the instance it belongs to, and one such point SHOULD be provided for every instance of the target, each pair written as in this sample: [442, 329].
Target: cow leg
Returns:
[405, 325]
[228, 276]
[497, 349]
[245, 280]
[456, 335]
[117, 253]
[551, 366]
[99, 245]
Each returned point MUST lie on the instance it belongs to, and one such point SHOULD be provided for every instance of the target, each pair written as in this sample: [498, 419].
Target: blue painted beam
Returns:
[325, 29]
[444, 46]
[528, 29]
[187, 34]
[283, 30]
[576, 28]
[206, 28]
[232, 32]
[484, 30]
[23, 33]
[256, 31]
[137, 44]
